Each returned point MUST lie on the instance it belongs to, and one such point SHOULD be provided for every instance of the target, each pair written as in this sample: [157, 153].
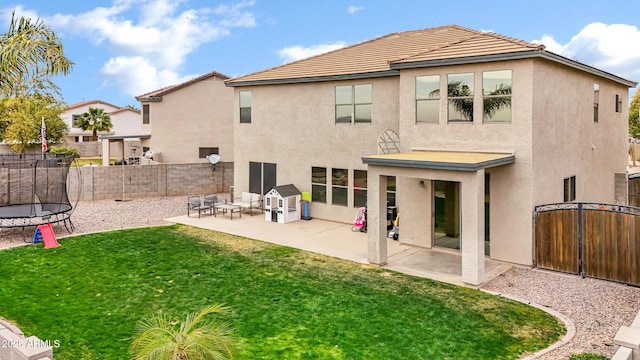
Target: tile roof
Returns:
[156, 95]
[91, 102]
[385, 55]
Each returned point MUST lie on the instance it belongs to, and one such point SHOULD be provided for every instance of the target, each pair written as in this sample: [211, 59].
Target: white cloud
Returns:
[149, 39]
[612, 48]
[298, 52]
[354, 9]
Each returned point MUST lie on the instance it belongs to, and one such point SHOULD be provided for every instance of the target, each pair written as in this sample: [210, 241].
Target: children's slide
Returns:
[45, 234]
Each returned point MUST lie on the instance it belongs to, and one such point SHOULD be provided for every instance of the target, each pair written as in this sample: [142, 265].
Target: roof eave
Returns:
[149, 99]
[439, 165]
[528, 54]
[311, 79]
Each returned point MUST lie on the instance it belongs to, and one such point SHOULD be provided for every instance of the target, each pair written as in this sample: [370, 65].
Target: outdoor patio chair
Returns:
[249, 201]
[212, 201]
[195, 204]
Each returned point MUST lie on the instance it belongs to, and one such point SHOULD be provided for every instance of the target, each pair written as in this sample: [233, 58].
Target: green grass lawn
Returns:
[286, 303]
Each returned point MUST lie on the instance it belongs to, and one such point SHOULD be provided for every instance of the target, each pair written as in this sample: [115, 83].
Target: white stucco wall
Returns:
[195, 116]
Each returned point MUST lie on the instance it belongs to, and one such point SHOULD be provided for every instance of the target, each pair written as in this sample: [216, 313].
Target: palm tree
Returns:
[195, 338]
[30, 54]
[95, 120]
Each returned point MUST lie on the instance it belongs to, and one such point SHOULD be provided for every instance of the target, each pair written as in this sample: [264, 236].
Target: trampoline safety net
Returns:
[33, 189]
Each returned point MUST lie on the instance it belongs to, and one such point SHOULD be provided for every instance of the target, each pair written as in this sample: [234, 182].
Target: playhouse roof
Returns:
[285, 190]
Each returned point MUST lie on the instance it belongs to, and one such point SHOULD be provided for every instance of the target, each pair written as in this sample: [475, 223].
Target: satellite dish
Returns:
[213, 158]
[148, 154]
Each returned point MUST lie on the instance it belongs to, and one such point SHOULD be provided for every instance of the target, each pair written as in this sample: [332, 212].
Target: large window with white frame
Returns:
[496, 96]
[460, 97]
[339, 186]
[319, 184]
[428, 99]
[353, 103]
[359, 188]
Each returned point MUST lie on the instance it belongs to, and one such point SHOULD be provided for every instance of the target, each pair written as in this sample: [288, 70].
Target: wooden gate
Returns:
[595, 240]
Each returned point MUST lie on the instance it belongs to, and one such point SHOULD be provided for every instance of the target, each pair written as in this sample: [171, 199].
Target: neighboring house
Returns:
[126, 123]
[190, 120]
[489, 127]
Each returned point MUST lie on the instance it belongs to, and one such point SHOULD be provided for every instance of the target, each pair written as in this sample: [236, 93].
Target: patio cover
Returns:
[465, 167]
[442, 160]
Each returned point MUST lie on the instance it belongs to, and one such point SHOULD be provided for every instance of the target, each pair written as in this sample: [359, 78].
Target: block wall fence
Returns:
[134, 181]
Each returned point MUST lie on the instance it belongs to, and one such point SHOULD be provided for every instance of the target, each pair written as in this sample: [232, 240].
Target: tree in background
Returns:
[95, 120]
[22, 120]
[30, 55]
[634, 121]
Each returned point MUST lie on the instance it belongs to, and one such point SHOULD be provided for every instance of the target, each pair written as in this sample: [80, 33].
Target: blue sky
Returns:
[124, 48]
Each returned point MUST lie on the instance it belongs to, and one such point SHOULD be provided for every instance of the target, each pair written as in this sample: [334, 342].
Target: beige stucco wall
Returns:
[197, 115]
[567, 140]
[510, 185]
[552, 114]
[294, 127]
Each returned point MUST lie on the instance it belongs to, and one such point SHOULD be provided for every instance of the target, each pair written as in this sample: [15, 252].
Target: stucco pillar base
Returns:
[376, 224]
[472, 234]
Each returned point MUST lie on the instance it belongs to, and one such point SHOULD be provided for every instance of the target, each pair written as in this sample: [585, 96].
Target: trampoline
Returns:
[33, 190]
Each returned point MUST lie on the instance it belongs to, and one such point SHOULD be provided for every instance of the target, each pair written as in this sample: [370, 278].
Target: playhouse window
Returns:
[353, 104]
[319, 184]
[428, 99]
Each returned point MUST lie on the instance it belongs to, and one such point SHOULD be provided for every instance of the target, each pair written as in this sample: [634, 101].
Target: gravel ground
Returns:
[597, 308]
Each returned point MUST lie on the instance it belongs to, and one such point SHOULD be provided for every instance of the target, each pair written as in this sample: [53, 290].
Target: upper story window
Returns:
[245, 107]
[460, 97]
[74, 121]
[596, 102]
[496, 96]
[618, 103]
[145, 114]
[428, 99]
[353, 104]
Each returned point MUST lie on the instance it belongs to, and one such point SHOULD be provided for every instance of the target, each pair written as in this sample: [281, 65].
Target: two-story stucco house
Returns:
[190, 120]
[126, 122]
[487, 128]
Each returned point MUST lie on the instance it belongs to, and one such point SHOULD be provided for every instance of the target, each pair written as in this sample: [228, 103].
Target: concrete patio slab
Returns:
[337, 240]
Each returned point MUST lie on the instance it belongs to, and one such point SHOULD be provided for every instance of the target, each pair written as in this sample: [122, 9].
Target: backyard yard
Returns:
[285, 303]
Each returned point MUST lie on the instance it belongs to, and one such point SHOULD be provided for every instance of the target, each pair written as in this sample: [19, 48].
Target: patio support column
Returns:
[105, 152]
[377, 217]
[472, 232]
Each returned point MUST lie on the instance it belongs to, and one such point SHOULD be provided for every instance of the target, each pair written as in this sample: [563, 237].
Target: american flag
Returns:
[43, 133]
